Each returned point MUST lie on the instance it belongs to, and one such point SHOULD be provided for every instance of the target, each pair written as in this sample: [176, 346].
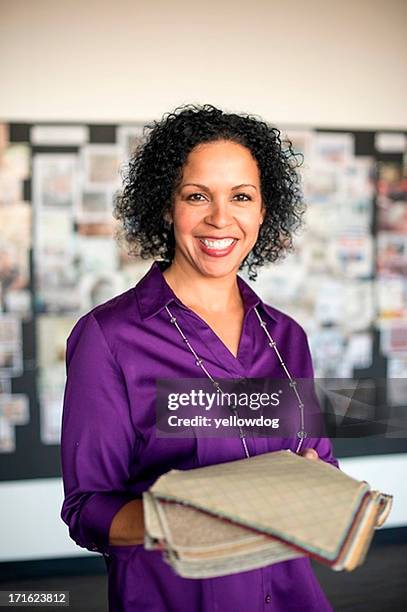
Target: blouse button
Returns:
[267, 599]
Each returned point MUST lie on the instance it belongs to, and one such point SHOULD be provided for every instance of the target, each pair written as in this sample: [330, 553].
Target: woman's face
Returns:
[217, 209]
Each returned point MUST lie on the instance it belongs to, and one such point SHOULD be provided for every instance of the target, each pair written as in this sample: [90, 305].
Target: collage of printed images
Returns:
[59, 256]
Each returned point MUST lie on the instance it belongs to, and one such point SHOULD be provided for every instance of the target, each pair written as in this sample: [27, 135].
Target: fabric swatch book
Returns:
[249, 513]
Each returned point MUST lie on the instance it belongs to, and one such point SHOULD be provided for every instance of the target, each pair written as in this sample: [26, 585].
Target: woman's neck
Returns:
[207, 294]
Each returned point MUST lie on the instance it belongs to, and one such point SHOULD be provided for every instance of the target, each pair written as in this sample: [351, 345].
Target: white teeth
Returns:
[217, 244]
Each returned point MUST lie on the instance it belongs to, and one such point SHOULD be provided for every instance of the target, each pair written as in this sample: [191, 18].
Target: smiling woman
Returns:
[224, 221]
[265, 172]
[207, 194]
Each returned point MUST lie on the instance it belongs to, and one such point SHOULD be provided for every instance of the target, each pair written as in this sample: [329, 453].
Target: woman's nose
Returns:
[219, 214]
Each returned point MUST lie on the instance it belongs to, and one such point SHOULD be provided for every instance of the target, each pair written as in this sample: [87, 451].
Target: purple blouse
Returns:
[110, 453]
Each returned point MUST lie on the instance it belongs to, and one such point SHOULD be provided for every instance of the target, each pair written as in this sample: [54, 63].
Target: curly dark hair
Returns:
[154, 173]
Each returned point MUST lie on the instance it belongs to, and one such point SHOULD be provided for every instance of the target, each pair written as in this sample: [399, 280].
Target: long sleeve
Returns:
[323, 446]
[98, 440]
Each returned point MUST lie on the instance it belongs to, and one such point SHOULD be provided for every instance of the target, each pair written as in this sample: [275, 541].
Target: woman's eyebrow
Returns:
[207, 188]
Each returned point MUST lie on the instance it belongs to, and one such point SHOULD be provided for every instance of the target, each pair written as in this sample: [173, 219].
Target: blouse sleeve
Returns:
[97, 440]
[323, 446]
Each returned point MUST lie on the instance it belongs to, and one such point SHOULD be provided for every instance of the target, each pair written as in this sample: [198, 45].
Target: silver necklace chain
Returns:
[301, 434]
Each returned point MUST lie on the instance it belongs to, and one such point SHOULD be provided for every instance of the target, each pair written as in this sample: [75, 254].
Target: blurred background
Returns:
[79, 80]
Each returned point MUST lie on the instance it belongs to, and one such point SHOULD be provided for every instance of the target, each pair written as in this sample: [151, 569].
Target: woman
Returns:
[208, 193]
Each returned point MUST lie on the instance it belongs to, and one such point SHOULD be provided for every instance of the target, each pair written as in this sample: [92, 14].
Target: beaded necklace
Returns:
[301, 434]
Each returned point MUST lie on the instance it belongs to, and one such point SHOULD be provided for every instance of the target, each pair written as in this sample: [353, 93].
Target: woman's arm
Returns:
[128, 525]
[98, 441]
[322, 446]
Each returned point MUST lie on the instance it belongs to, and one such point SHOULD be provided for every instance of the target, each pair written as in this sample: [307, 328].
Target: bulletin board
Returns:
[346, 283]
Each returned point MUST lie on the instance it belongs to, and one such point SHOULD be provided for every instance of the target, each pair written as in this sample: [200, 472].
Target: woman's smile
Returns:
[217, 247]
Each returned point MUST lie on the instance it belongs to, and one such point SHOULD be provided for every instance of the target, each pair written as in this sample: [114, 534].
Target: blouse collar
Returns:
[154, 293]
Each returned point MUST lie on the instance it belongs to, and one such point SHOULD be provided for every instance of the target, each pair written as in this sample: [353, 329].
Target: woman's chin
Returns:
[218, 268]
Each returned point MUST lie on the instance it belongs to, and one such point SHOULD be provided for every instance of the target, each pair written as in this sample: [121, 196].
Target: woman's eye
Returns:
[244, 195]
[193, 196]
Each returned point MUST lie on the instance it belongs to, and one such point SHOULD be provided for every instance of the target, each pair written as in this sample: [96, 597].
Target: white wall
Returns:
[318, 62]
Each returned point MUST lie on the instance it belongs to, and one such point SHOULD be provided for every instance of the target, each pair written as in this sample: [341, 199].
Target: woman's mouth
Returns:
[217, 248]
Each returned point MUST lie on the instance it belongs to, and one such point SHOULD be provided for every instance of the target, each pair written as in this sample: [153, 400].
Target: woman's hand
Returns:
[309, 453]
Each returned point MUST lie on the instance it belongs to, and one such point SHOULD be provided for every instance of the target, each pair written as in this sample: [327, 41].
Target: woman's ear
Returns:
[168, 217]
